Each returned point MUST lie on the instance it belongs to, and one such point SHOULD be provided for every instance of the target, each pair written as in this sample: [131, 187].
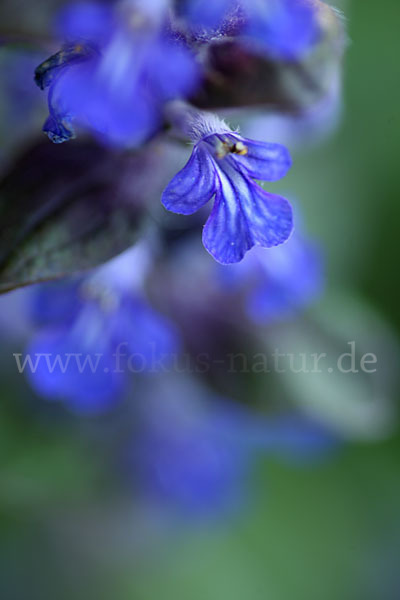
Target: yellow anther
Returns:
[239, 148]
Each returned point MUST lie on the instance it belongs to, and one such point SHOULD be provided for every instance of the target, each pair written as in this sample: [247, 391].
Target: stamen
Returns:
[239, 148]
[223, 149]
[106, 298]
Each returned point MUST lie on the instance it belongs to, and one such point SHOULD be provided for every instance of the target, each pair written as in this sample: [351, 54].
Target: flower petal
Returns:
[148, 335]
[291, 277]
[269, 216]
[79, 93]
[66, 368]
[85, 21]
[193, 186]
[55, 303]
[245, 215]
[179, 75]
[226, 235]
[207, 15]
[286, 29]
[268, 162]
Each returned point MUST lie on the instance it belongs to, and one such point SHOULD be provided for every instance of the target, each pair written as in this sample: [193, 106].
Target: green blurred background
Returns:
[329, 531]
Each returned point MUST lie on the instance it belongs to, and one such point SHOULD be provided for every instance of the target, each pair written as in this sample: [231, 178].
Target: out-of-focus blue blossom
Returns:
[277, 282]
[194, 453]
[224, 164]
[114, 75]
[285, 28]
[90, 21]
[303, 130]
[208, 15]
[94, 331]
[191, 465]
[185, 455]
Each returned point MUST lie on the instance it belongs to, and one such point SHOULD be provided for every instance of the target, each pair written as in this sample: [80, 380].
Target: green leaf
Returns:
[68, 208]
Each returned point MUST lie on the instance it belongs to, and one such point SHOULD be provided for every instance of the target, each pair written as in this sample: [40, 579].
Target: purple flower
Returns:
[224, 164]
[279, 281]
[114, 76]
[185, 455]
[208, 15]
[90, 21]
[192, 467]
[91, 333]
[193, 451]
[285, 28]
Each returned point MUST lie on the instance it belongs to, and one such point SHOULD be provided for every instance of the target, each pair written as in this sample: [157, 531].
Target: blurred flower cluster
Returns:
[128, 314]
[122, 67]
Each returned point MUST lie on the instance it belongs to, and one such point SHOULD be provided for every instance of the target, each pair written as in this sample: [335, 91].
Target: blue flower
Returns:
[90, 333]
[191, 467]
[184, 456]
[277, 282]
[92, 21]
[207, 15]
[113, 76]
[193, 451]
[285, 28]
[224, 164]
